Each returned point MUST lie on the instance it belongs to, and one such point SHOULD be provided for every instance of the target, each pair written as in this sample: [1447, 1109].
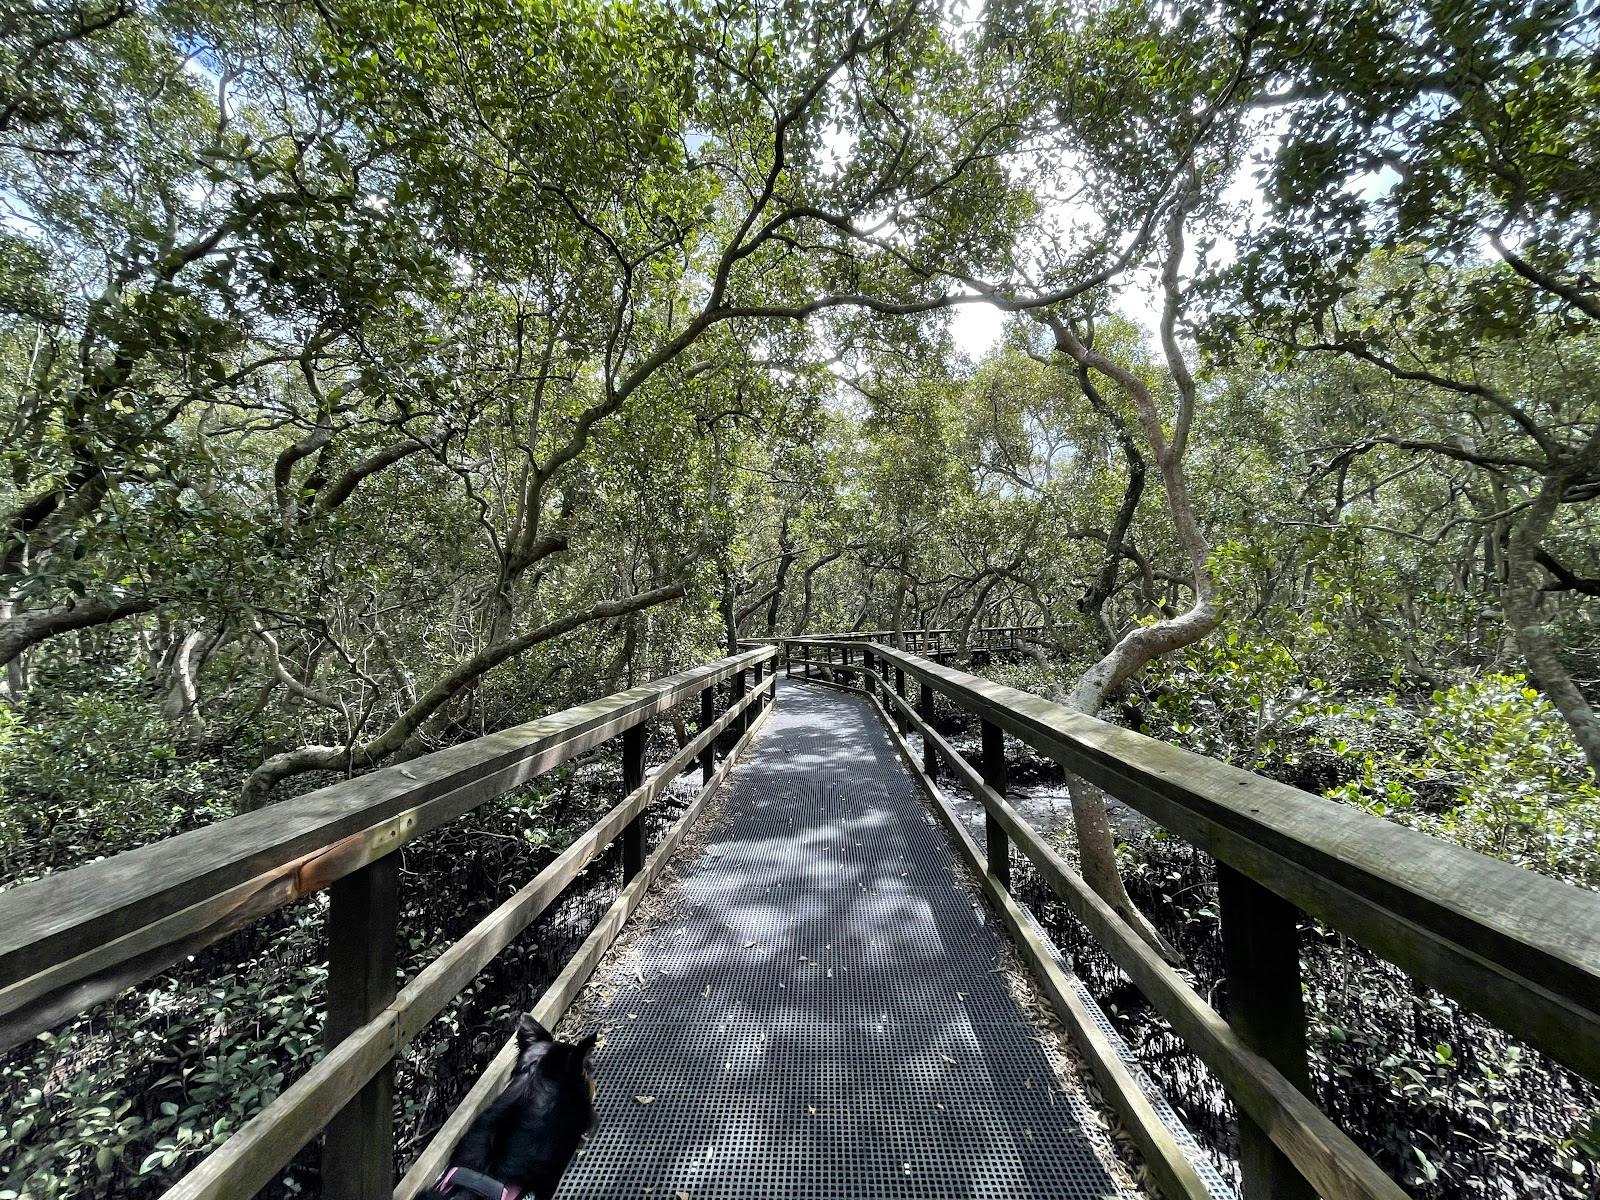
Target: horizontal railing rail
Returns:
[1518, 948]
[939, 641]
[71, 940]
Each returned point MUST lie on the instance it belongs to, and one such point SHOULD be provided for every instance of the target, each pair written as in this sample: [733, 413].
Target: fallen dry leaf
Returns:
[747, 945]
[948, 1059]
[645, 1099]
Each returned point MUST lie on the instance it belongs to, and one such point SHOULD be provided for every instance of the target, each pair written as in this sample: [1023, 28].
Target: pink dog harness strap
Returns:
[477, 1184]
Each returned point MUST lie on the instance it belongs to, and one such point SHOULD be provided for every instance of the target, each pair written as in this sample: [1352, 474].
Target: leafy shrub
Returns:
[1241, 698]
[1487, 763]
[89, 768]
[1025, 675]
[125, 1099]
[1498, 771]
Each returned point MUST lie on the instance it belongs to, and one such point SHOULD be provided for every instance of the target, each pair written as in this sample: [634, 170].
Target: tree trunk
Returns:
[1521, 603]
[730, 614]
[1094, 599]
[900, 601]
[804, 623]
[1096, 845]
[28, 627]
[180, 700]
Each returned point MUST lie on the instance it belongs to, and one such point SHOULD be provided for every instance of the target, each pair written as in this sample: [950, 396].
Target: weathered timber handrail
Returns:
[73, 939]
[979, 637]
[344, 836]
[261, 1148]
[1520, 949]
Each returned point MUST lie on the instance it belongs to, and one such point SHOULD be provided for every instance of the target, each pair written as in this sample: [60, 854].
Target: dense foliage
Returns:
[377, 373]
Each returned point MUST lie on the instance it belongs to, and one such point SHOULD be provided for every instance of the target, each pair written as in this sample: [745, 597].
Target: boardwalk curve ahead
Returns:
[818, 1013]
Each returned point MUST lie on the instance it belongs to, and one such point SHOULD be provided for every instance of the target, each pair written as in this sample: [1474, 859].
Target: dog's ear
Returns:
[530, 1031]
[575, 1054]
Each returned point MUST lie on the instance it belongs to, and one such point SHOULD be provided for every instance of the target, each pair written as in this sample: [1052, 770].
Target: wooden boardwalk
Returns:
[818, 1012]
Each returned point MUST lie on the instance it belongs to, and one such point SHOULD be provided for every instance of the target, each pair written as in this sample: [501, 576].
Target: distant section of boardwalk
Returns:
[820, 1013]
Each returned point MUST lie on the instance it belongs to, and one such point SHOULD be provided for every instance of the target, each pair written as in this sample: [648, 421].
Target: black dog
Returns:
[518, 1149]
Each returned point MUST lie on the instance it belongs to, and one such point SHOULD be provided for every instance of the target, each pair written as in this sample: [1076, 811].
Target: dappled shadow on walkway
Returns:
[818, 1013]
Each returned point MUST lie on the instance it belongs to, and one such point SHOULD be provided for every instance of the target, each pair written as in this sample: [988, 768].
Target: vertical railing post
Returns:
[867, 685]
[900, 690]
[993, 769]
[363, 919]
[1261, 955]
[632, 778]
[930, 756]
[708, 714]
[761, 699]
[741, 689]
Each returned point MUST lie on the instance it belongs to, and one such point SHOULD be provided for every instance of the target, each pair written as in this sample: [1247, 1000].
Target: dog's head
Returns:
[561, 1067]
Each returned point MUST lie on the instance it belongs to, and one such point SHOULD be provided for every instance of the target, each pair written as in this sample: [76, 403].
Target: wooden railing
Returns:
[74, 939]
[932, 642]
[1520, 949]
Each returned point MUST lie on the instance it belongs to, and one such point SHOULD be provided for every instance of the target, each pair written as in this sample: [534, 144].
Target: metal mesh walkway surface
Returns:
[817, 1012]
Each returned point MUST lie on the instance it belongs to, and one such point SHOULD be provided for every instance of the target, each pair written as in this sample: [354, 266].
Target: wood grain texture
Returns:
[1266, 1008]
[363, 936]
[633, 767]
[993, 769]
[1521, 949]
